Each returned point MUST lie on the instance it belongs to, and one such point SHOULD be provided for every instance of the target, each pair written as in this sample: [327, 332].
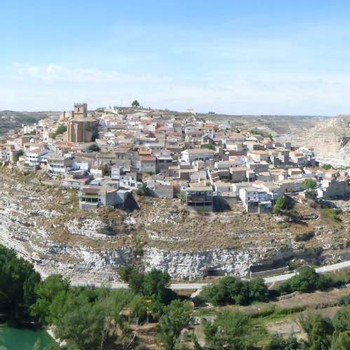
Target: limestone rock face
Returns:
[330, 140]
[89, 227]
[194, 265]
[43, 226]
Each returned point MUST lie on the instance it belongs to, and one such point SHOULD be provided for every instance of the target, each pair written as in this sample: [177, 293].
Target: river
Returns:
[23, 339]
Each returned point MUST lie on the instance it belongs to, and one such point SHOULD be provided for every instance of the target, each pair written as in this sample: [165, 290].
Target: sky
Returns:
[288, 57]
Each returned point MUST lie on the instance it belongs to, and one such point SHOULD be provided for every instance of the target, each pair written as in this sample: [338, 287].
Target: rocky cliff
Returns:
[330, 140]
[43, 224]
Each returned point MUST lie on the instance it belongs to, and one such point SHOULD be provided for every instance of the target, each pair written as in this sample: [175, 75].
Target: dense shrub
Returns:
[60, 130]
[94, 148]
[233, 290]
[344, 300]
[154, 284]
[309, 184]
[283, 203]
[330, 214]
[18, 281]
[306, 280]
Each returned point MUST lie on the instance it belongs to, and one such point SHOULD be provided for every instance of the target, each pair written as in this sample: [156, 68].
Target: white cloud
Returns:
[54, 72]
[57, 87]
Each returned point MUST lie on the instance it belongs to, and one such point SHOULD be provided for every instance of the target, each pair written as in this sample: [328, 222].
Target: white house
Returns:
[34, 156]
[58, 165]
[190, 155]
[253, 194]
[255, 200]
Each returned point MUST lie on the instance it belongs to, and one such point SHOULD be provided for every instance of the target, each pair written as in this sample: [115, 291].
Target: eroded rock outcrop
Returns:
[44, 226]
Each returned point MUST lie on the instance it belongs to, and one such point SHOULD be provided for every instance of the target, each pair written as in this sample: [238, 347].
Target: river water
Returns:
[23, 339]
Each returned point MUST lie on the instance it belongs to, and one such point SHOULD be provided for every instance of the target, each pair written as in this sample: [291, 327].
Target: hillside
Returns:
[45, 225]
[330, 141]
[10, 120]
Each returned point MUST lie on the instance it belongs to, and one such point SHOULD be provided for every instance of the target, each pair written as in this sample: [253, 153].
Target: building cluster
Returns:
[107, 154]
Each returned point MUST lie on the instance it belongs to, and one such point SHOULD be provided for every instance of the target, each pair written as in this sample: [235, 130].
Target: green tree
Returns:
[208, 146]
[18, 154]
[340, 340]
[138, 308]
[330, 214]
[144, 190]
[89, 318]
[309, 184]
[55, 286]
[214, 294]
[136, 282]
[60, 130]
[258, 290]
[278, 342]
[308, 280]
[237, 291]
[18, 281]
[282, 203]
[83, 326]
[327, 166]
[135, 104]
[94, 148]
[319, 331]
[182, 196]
[231, 330]
[341, 320]
[234, 290]
[176, 317]
[125, 273]
[156, 285]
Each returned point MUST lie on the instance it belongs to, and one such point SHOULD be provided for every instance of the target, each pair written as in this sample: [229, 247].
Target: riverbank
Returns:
[51, 331]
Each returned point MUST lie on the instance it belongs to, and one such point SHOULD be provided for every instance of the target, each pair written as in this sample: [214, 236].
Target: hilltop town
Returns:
[190, 194]
[109, 153]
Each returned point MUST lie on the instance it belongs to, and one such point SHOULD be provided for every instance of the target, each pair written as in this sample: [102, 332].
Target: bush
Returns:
[18, 281]
[94, 148]
[144, 190]
[344, 300]
[232, 330]
[18, 154]
[208, 146]
[309, 184]
[274, 312]
[60, 130]
[182, 196]
[341, 277]
[278, 342]
[283, 203]
[154, 284]
[125, 273]
[262, 133]
[306, 280]
[330, 214]
[232, 290]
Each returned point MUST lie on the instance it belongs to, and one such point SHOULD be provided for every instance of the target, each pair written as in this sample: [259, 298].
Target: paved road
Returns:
[178, 286]
[114, 285]
[327, 268]
[117, 285]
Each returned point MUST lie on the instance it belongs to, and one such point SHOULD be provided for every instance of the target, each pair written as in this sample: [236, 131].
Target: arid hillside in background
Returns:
[328, 136]
[10, 120]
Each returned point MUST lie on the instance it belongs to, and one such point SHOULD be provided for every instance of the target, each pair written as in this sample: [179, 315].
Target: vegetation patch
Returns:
[330, 214]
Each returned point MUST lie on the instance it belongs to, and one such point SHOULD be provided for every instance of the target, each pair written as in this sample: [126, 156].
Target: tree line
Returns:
[101, 318]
